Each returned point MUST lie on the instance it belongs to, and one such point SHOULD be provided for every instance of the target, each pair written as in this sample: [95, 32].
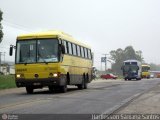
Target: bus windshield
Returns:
[32, 51]
[130, 68]
[145, 69]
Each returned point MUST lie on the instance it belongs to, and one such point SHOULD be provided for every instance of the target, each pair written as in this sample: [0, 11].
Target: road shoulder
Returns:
[148, 103]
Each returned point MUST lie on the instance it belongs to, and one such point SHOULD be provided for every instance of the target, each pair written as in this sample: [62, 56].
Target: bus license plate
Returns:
[36, 83]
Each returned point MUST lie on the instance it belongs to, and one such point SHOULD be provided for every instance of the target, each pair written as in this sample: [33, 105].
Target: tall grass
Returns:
[7, 81]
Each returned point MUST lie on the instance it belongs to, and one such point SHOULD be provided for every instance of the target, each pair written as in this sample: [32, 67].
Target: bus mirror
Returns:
[137, 68]
[11, 50]
[63, 49]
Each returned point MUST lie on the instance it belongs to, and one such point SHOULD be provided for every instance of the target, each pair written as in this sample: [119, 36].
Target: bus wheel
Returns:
[80, 86]
[29, 89]
[83, 85]
[85, 82]
[63, 88]
[51, 88]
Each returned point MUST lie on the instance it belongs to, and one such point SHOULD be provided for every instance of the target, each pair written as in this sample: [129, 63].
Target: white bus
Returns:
[132, 69]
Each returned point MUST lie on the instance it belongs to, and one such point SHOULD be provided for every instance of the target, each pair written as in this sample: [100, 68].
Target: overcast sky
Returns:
[103, 24]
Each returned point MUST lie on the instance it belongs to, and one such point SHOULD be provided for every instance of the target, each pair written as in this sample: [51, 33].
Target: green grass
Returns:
[7, 81]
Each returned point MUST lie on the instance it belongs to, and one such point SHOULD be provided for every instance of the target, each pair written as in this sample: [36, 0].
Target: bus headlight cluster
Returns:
[54, 75]
[19, 75]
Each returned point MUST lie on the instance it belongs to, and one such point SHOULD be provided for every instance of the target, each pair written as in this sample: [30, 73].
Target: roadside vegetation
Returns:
[7, 81]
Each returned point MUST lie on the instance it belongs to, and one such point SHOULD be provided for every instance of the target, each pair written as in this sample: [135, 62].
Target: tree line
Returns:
[1, 33]
[120, 55]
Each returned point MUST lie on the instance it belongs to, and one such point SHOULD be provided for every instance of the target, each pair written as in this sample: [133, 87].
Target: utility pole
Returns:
[105, 61]
[4, 57]
[101, 65]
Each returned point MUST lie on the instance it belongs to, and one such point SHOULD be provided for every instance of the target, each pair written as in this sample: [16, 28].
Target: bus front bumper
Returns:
[38, 82]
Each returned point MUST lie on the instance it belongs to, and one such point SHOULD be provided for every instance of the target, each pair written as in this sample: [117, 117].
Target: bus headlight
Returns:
[20, 75]
[55, 75]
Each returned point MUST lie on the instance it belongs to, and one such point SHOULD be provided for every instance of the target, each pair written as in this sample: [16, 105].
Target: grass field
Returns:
[7, 81]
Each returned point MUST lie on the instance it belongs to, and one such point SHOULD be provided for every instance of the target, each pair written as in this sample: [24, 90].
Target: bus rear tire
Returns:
[81, 86]
[29, 89]
[84, 84]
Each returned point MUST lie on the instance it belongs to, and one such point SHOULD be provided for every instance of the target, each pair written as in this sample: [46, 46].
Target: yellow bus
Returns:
[145, 71]
[52, 58]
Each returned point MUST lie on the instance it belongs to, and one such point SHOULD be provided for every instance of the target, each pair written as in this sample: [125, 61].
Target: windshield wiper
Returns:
[43, 60]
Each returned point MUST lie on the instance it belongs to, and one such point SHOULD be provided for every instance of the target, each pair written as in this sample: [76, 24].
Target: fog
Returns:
[105, 25]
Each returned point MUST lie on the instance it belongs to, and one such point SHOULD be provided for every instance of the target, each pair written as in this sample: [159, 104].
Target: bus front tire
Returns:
[63, 88]
[51, 88]
[29, 89]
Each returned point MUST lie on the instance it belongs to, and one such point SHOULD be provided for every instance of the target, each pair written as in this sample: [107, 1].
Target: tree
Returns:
[120, 55]
[1, 33]
[154, 67]
[129, 53]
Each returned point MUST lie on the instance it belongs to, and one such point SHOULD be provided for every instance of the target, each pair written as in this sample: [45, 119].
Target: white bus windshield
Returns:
[130, 68]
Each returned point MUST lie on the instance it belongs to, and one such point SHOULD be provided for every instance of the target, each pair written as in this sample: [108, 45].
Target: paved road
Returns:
[102, 97]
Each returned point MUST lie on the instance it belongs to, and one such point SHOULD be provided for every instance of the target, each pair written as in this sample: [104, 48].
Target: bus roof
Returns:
[131, 61]
[145, 65]
[51, 34]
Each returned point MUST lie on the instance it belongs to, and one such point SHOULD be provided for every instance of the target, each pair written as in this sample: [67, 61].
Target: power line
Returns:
[14, 25]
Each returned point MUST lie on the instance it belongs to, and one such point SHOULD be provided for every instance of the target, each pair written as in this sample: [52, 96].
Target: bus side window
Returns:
[85, 51]
[78, 51]
[65, 45]
[74, 49]
[60, 41]
[70, 48]
[89, 53]
[82, 51]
